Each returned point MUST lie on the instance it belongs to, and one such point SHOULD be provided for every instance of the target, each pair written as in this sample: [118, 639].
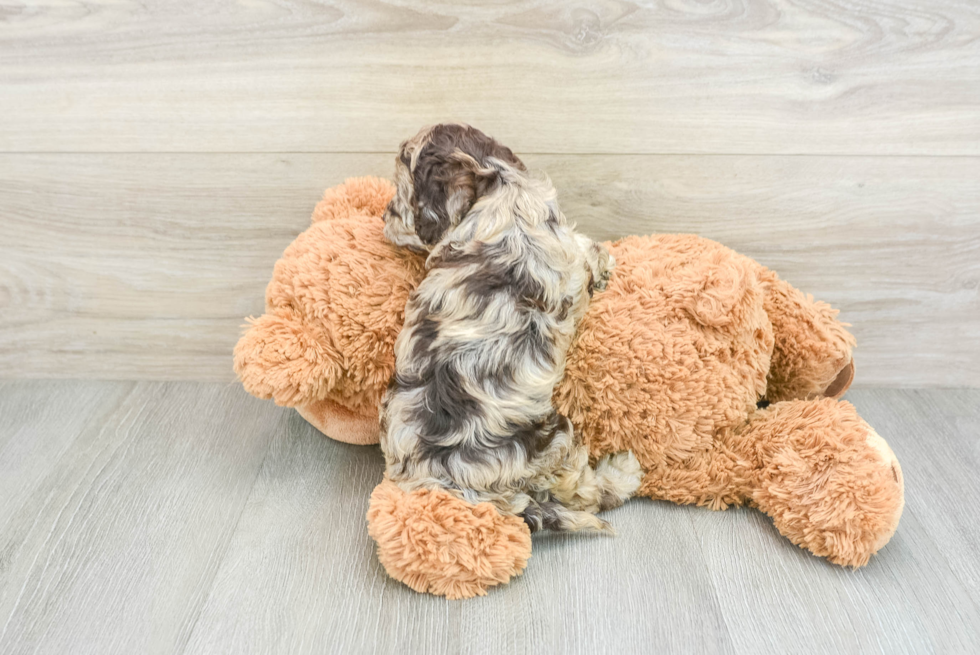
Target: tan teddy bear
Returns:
[720, 377]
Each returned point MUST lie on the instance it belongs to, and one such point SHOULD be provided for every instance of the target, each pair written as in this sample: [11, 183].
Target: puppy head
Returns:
[439, 174]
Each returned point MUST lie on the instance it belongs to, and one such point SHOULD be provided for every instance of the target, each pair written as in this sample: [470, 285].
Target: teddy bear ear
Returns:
[282, 357]
[723, 290]
[812, 353]
[841, 383]
[356, 196]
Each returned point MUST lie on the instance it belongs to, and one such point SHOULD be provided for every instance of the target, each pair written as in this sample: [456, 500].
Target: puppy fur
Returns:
[486, 334]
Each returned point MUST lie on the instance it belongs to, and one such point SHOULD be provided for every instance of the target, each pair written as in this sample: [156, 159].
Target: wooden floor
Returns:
[191, 518]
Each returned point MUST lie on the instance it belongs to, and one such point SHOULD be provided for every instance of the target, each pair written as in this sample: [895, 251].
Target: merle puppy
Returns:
[486, 334]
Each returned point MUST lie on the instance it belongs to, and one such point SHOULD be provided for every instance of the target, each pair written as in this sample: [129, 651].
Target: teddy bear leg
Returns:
[437, 543]
[812, 349]
[830, 483]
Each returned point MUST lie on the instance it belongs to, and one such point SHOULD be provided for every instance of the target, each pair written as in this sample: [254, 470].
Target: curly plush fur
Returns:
[671, 361]
[440, 544]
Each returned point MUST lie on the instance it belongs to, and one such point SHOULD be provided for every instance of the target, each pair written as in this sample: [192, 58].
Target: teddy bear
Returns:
[723, 380]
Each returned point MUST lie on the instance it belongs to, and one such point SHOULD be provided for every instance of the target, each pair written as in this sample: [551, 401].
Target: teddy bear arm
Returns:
[812, 349]
[440, 544]
[284, 357]
[830, 483]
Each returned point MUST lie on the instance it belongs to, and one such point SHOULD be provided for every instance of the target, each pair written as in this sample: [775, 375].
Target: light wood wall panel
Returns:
[144, 265]
[591, 76]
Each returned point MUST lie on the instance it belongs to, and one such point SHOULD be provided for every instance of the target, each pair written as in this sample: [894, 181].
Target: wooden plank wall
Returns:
[155, 160]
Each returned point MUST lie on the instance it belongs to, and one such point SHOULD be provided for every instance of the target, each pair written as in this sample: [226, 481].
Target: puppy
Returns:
[486, 335]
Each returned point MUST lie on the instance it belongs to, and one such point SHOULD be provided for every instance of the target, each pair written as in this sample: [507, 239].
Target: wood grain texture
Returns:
[942, 429]
[41, 421]
[919, 594]
[119, 530]
[591, 76]
[837, 142]
[302, 550]
[189, 518]
[143, 266]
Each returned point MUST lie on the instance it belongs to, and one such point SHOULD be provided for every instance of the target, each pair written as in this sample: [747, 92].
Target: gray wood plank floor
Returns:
[190, 518]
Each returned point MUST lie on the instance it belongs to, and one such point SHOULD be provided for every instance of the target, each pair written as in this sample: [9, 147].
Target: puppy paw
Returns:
[599, 260]
[610, 262]
[602, 264]
[600, 283]
[601, 269]
[618, 476]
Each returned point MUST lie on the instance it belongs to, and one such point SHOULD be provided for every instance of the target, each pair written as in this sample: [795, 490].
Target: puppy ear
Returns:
[446, 186]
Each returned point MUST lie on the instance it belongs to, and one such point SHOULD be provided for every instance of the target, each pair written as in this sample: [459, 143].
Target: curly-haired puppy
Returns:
[486, 334]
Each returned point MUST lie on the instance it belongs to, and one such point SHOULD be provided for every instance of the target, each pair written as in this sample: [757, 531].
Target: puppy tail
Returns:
[552, 515]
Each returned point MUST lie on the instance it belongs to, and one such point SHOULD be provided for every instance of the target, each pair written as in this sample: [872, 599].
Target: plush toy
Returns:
[721, 378]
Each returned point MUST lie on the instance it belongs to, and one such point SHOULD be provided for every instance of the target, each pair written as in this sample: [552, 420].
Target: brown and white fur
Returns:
[486, 335]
